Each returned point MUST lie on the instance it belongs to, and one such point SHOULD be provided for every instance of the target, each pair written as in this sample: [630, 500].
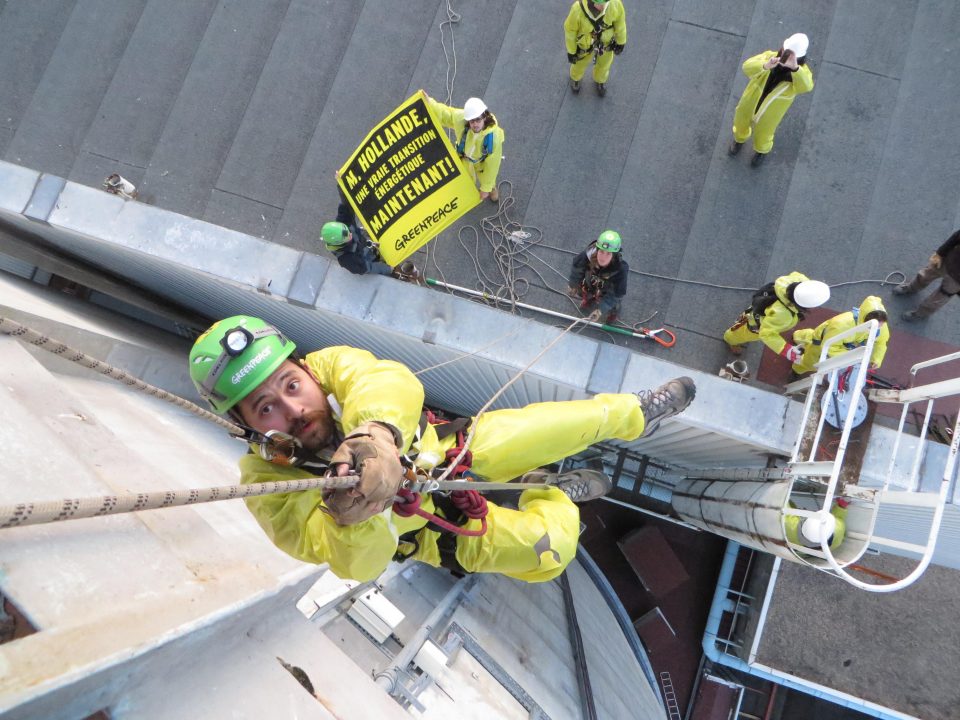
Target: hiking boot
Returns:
[580, 485]
[757, 159]
[734, 147]
[575, 85]
[670, 399]
[735, 349]
[903, 289]
[601, 89]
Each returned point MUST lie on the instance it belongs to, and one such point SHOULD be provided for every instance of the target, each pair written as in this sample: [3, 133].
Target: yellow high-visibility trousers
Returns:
[601, 71]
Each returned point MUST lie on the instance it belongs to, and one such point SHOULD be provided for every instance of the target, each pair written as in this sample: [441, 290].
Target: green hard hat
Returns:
[234, 356]
[334, 235]
[609, 241]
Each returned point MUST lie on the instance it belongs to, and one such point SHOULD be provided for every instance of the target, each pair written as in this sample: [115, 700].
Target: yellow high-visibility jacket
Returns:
[483, 169]
[534, 543]
[762, 121]
[812, 339]
[578, 30]
[792, 523]
[779, 316]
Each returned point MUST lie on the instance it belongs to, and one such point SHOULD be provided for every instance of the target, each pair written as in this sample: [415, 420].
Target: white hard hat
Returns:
[473, 108]
[819, 527]
[811, 293]
[798, 43]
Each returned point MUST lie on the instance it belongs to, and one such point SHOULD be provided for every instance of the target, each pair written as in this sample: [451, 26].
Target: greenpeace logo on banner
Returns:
[426, 223]
[405, 181]
[251, 366]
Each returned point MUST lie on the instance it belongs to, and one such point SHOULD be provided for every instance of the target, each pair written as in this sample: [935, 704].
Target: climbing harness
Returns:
[486, 146]
[463, 495]
[599, 27]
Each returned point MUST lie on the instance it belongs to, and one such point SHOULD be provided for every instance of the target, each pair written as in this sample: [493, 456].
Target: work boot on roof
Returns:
[580, 485]
[670, 399]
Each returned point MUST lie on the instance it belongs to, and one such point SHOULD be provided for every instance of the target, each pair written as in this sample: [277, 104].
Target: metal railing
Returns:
[804, 464]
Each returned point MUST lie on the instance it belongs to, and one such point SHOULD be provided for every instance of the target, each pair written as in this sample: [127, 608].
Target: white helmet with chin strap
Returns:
[819, 527]
[473, 108]
[811, 293]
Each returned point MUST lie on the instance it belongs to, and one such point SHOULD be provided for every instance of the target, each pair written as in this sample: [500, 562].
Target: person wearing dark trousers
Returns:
[599, 275]
[943, 264]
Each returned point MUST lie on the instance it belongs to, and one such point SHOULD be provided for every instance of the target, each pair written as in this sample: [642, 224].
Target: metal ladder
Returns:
[825, 474]
[669, 696]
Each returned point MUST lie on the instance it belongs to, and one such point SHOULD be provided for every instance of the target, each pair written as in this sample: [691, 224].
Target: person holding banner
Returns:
[349, 244]
[479, 141]
[354, 412]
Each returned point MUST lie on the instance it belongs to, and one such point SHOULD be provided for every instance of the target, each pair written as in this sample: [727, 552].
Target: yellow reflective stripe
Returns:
[784, 86]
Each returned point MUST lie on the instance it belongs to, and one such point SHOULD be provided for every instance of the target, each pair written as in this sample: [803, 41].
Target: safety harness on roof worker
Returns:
[599, 27]
[455, 510]
[486, 146]
[597, 275]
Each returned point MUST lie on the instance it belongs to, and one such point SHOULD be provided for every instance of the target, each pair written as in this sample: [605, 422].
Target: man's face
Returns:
[291, 401]
[476, 125]
[604, 258]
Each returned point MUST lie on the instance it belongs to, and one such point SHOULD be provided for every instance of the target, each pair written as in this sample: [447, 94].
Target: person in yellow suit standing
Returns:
[812, 339]
[594, 29]
[774, 309]
[776, 77]
[479, 141]
[354, 412]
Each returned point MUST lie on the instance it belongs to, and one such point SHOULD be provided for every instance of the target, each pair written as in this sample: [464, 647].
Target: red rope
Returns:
[469, 502]
[408, 504]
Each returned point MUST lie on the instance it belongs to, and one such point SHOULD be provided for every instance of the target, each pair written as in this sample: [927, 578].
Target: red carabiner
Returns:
[652, 334]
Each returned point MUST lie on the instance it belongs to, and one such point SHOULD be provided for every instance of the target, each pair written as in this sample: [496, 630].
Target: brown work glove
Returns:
[369, 451]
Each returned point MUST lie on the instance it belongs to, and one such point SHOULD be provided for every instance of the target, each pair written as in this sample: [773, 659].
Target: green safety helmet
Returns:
[334, 235]
[234, 356]
[609, 241]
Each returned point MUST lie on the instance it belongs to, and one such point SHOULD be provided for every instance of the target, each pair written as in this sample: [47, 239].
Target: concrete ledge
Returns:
[44, 197]
[16, 187]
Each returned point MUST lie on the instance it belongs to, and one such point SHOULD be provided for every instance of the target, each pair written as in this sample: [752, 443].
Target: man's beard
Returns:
[320, 435]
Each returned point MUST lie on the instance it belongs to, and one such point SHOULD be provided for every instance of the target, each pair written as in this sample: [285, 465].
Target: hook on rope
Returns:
[655, 336]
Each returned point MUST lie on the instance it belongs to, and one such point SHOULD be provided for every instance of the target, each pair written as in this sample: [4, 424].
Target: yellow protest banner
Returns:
[405, 181]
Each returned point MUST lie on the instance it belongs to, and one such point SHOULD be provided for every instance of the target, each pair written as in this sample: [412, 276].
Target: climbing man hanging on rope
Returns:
[599, 275]
[364, 415]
